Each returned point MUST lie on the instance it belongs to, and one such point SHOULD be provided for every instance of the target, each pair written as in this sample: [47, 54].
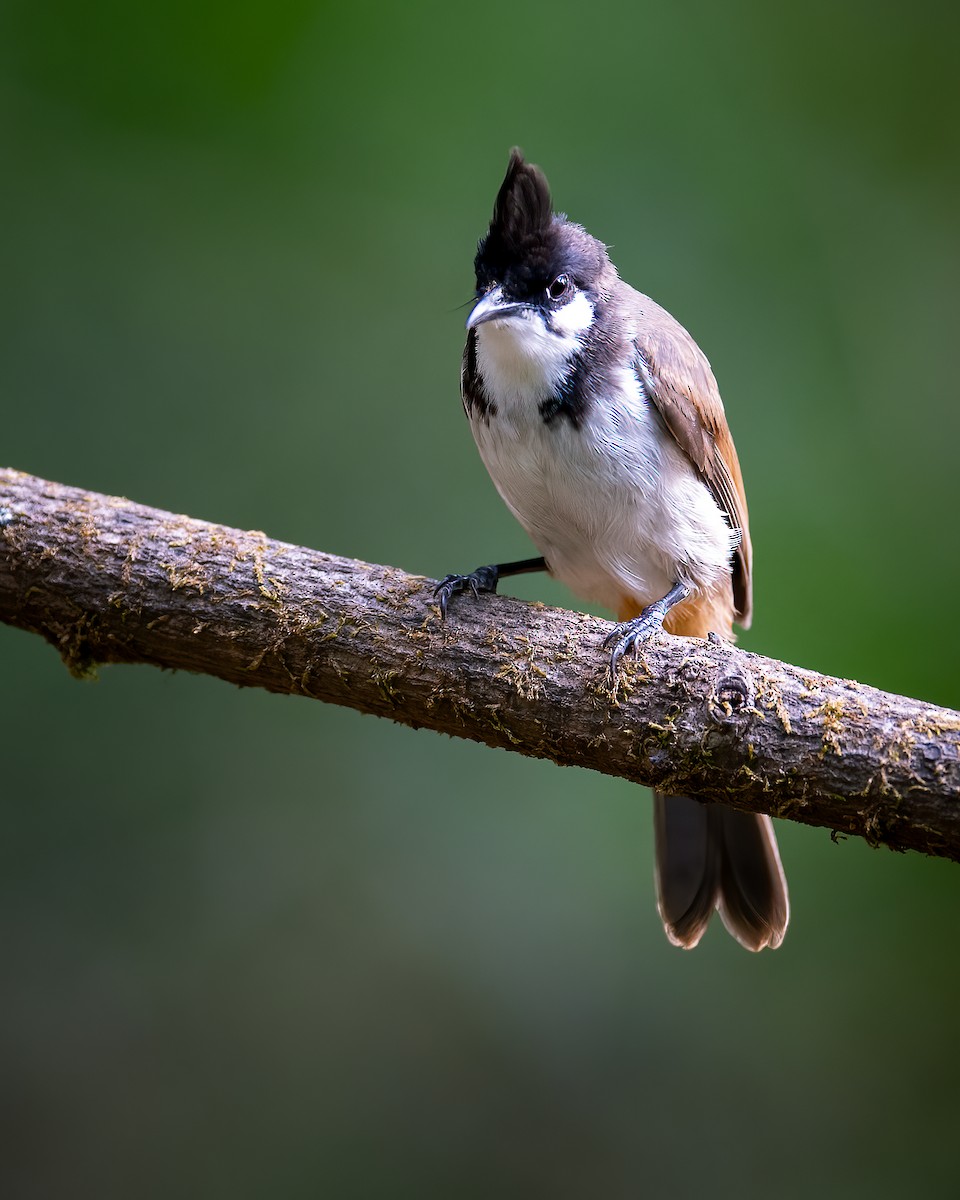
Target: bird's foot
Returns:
[632, 634]
[483, 579]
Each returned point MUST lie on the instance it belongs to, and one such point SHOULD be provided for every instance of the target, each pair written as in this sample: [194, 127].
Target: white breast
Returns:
[614, 506]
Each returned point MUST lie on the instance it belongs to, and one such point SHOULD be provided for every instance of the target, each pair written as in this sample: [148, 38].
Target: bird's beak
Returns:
[493, 307]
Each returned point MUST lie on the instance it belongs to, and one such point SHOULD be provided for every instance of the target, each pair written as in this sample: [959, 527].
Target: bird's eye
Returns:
[559, 287]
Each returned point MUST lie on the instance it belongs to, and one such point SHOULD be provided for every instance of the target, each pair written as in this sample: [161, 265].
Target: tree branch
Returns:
[108, 581]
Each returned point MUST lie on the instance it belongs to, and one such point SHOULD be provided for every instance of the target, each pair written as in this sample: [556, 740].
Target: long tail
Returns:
[709, 856]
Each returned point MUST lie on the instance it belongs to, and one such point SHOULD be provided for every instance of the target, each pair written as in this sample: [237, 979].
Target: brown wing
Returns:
[678, 380]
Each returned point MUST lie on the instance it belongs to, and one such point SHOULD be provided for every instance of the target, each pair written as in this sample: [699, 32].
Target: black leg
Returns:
[483, 579]
[631, 633]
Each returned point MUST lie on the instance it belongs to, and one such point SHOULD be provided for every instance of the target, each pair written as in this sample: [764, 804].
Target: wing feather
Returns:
[678, 381]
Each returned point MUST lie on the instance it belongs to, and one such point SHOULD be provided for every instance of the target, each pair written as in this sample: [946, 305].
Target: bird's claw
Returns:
[483, 579]
[631, 634]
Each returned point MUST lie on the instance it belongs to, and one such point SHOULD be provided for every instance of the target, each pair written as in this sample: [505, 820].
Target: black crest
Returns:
[523, 207]
[528, 244]
[521, 225]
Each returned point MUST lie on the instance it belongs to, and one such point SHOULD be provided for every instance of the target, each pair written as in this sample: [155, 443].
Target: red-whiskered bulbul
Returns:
[600, 422]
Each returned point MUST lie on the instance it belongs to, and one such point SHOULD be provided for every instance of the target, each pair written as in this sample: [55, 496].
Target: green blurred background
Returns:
[255, 946]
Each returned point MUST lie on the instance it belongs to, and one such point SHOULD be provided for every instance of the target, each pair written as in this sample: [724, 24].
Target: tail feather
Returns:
[688, 865]
[709, 856]
[753, 901]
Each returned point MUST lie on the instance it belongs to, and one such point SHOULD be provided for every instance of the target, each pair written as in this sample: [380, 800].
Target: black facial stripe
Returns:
[592, 375]
[476, 402]
[571, 401]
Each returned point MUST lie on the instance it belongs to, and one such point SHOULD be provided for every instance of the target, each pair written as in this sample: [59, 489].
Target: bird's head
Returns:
[538, 275]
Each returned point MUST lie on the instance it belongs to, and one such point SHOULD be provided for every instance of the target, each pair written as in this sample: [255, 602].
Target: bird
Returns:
[600, 423]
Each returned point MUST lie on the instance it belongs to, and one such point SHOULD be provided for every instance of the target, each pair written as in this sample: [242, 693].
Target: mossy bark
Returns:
[108, 581]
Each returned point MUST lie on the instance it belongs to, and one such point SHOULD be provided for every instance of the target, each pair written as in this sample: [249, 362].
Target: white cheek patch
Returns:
[575, 318]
